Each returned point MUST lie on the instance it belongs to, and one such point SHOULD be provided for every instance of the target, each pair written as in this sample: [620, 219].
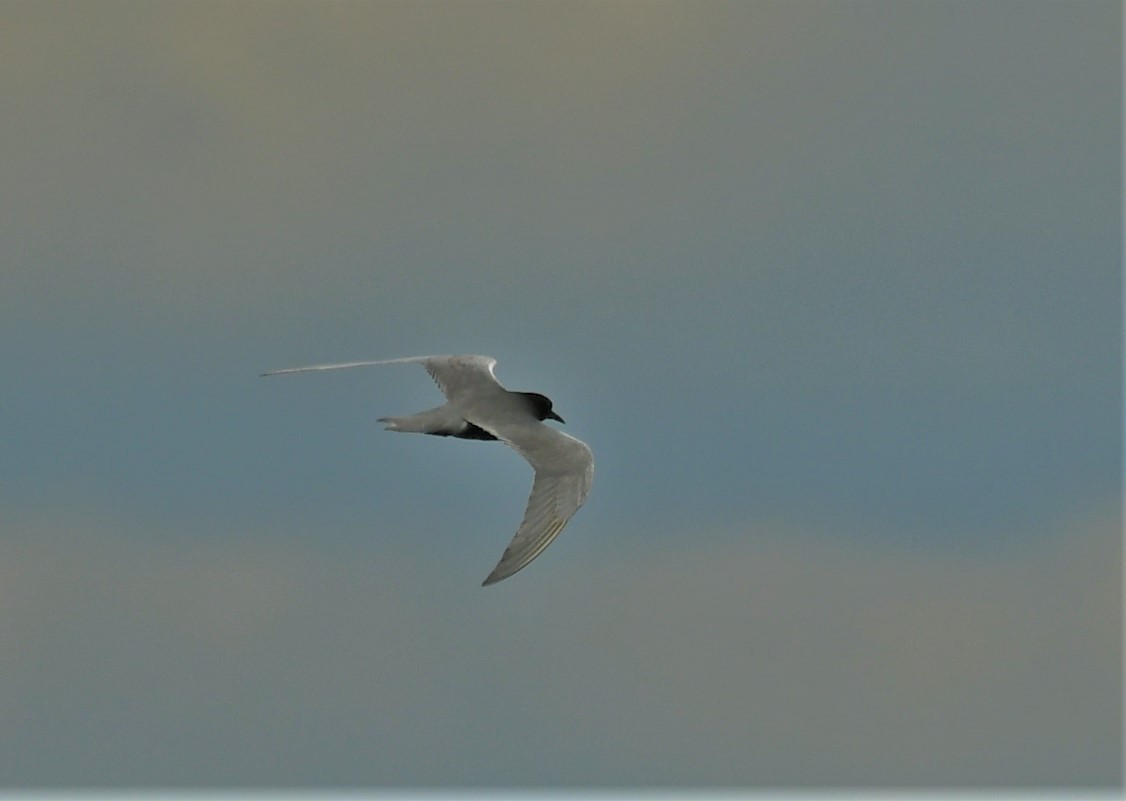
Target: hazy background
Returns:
[832, 289]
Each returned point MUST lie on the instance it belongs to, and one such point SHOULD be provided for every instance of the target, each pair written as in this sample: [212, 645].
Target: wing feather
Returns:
[564, 470]
[458, 377]
[463, 377]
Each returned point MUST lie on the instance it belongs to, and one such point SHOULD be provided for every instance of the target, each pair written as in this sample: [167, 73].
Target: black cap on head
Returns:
[541, 406]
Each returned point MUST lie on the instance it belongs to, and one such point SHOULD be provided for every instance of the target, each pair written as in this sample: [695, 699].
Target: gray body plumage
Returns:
[478, 407]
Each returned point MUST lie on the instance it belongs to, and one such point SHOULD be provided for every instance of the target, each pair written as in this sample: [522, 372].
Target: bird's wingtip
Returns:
[497, 575]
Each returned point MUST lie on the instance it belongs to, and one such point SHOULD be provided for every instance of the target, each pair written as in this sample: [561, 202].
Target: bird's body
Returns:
[478, 407]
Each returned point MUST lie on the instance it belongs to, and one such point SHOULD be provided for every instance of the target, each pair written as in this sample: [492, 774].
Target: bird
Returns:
[478, 407]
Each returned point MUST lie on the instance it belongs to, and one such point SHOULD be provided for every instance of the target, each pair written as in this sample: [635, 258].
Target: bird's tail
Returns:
[442, 420]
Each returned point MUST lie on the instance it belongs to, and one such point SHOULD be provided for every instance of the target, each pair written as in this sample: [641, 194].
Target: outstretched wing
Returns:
[462, 377]
[564, 471]
[457, 376]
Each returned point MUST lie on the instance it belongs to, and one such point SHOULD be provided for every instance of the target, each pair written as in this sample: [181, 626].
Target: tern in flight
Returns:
[478, 407]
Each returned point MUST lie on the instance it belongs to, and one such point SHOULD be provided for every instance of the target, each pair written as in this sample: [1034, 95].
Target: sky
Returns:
[832, 290]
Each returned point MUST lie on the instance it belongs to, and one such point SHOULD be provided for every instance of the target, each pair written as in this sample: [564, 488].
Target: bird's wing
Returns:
[456, 376]
[564, 470]
[342, 365]
[462, 377]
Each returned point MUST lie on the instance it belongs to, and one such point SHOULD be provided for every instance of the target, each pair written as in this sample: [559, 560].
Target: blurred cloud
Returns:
[247, 162]
[769, 659]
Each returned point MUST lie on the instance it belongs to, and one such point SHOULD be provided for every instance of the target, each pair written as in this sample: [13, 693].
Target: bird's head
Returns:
[541, 406]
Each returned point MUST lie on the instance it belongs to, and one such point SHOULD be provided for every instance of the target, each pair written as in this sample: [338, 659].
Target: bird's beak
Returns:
[554, 416]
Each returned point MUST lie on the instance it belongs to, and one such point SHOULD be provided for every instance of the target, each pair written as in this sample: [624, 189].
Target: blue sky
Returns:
[832, 290]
